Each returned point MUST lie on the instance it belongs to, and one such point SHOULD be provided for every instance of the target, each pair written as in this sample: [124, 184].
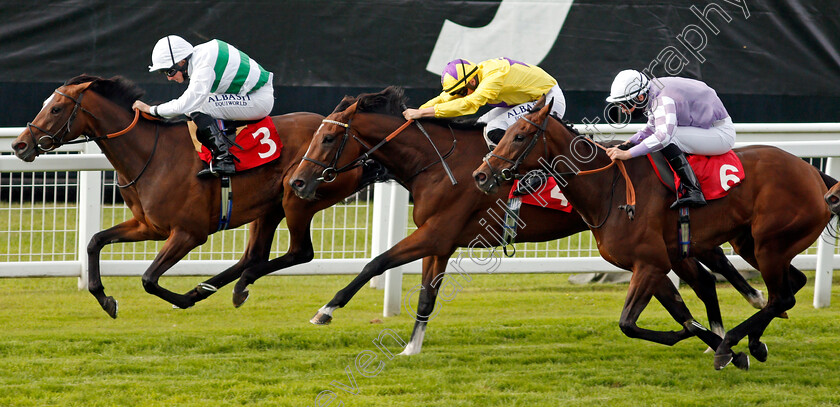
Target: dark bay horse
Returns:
[447, 216]
[167, 201]
[777, 212]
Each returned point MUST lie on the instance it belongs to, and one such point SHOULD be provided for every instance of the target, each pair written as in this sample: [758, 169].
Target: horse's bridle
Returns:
[507, 174]
[55, 141]
[330, 171]
[58, 142]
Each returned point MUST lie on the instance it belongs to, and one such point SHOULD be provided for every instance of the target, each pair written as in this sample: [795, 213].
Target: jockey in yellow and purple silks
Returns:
[511, 86]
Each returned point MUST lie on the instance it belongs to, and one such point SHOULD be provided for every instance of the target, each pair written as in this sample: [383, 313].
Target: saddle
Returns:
[256, 142]
[718, 174]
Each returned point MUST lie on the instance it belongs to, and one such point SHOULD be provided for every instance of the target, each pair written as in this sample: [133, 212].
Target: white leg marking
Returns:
[416, 342]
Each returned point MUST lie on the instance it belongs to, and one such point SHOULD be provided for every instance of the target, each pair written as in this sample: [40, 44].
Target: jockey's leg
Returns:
[209, 134]
[689, 184]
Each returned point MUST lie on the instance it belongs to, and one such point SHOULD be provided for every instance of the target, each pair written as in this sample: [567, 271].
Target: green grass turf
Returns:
[504, 340]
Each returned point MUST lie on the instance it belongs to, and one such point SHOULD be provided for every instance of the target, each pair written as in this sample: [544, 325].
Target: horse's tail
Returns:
[833, 226]
[828, 180]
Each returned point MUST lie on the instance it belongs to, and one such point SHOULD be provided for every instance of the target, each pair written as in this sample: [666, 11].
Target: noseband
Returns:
[507, 174]
[55, 141]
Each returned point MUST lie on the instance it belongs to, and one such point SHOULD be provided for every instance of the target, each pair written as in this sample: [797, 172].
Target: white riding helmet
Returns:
[168, 51]
[627, 85]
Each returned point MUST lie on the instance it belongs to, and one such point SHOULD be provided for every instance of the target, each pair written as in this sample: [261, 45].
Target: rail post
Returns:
[89, 214]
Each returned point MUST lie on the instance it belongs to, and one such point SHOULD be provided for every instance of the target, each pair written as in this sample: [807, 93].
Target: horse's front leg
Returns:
[423, 242]
[434, 268]
[176, 247]
[129, 231]
[650, 281]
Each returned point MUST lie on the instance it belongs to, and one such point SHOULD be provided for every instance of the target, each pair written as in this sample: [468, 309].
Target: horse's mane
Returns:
[390, 101]
[117, 89]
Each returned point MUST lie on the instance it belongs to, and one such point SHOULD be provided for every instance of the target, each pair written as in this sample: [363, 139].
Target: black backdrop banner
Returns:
[769, 60]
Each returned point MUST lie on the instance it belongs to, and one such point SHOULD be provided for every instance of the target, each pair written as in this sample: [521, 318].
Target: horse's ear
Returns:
[351, 110]
[539, 105]
[545, 108]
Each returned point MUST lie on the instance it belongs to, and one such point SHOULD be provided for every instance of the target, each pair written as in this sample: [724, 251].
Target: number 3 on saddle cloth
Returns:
[717, 173]
[259, 141]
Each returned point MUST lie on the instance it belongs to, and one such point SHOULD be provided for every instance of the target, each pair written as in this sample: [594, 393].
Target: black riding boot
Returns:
[209, 134]
[690, 195]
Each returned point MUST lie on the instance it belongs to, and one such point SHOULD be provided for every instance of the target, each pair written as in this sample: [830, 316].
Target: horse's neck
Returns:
[131, 152]
[587, 192]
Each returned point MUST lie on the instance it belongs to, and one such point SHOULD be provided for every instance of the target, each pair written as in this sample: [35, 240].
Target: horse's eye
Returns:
[329, 138]
[55, 109]
[519, 137]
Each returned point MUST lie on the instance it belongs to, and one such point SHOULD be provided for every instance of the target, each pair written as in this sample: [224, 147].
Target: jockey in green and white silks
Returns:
[224, 83]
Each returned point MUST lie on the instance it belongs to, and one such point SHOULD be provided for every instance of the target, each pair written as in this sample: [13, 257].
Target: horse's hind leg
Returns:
[300, 251]
[176, 247]
[717, 262]
[260, 234]
[433, 272]
[129, 231]
[757, 348]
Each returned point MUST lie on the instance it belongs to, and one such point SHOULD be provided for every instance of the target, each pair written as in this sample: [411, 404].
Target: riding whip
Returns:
[442, 161]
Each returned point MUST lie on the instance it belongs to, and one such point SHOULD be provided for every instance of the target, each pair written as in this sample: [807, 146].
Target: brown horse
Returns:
[448, 216]
[776, 213]
[167, 200]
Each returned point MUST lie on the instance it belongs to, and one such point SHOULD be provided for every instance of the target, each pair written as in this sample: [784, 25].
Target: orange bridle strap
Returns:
[127, 129]
[399, 130]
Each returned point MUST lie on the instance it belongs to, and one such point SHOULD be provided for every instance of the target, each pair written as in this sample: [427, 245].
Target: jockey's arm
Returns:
[660, 128]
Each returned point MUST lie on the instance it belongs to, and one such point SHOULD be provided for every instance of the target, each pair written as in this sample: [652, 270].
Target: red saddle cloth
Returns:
[548, 196]
[260, 144]
[717, 173]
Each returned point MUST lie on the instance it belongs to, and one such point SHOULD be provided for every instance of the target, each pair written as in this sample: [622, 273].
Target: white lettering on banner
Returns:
[556, 193]
[515, 19]
[725, 177]
[272, 146]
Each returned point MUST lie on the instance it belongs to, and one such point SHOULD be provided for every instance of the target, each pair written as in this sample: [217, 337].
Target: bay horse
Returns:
[447, 216]
[777, 212]
[158, 162]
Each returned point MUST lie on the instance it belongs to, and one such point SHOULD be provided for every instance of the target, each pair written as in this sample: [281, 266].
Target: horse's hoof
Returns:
[110, 306]
[180, 307]
[783, 315]
[239, 298]
[741, 361]
[721, 361]
[321, 319]
[759, 351]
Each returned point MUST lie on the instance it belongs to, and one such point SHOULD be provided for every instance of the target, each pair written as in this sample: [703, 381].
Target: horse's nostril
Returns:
[19, 146]
[833, 199]
[481, 177]
[298, 183]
